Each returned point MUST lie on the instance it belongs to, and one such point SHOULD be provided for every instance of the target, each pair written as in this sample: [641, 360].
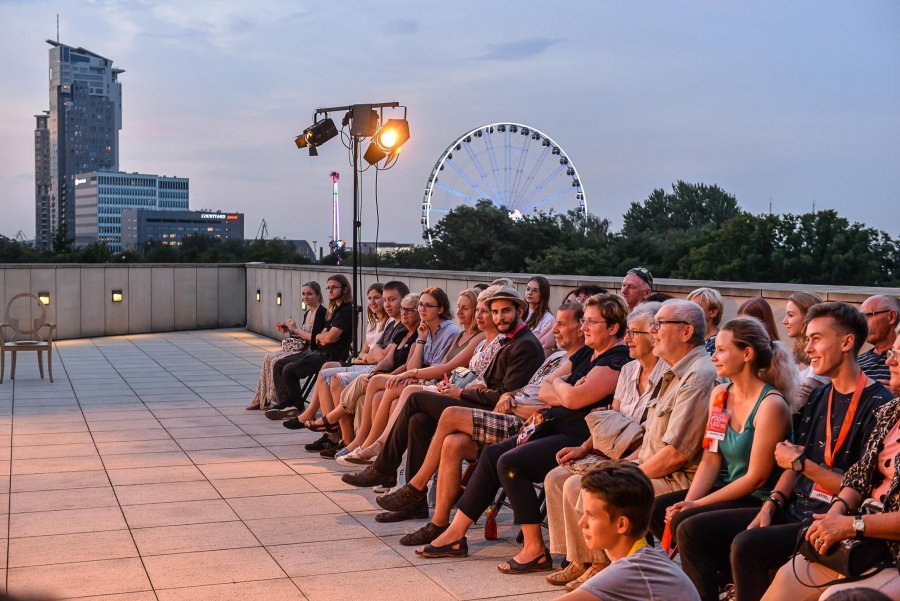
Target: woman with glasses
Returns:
[298, 341]
[748, 417]
[637, 384]
[539, 318]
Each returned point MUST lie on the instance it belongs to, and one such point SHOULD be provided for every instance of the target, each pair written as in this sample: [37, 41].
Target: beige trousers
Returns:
[786, 586]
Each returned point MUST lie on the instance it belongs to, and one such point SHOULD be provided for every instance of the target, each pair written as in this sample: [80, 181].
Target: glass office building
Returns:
[140, 226]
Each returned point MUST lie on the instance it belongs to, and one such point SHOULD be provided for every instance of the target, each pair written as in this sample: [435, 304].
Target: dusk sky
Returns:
[794, 102]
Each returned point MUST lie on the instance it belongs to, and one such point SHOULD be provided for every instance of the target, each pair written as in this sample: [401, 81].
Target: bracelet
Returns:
[781, 494]
[420, 342]
[776, 501]
[840, 500]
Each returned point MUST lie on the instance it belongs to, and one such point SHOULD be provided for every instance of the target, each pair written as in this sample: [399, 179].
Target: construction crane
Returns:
[263, 232]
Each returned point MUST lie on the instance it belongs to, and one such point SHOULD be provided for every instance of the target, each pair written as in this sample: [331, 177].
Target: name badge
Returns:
[820, 493]
[715, 429]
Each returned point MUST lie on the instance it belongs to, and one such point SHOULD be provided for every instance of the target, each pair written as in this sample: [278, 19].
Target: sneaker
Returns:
[369, 477]
[345, 459]
[401, 499]
[330, 452]
[282, 412]
[381, 489]
[320, 445]
[588, 573]
[342, 453]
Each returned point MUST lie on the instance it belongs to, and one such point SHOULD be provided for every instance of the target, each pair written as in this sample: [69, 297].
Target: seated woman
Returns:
[423, 363]
[299, 340]
[798, 304]
[582, 293]
[539, 318]
[874, 476]
[334, 376]
[760, 309]
[748, 417]
[710, 301]
[341, 417]
[636, 386]
[389, 406]
[515, 464]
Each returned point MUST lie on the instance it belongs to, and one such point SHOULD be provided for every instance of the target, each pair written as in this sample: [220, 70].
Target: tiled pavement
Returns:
[139, 475]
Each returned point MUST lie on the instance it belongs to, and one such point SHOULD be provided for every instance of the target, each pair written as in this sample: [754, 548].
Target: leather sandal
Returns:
[543, 563]
[325, 426]
[432, 552]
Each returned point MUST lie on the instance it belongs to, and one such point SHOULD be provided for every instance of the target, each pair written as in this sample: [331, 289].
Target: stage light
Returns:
[387, 141]
[316, 134]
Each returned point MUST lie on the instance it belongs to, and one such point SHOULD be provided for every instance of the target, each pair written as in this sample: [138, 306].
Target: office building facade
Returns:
[42, 234]
[102, 196]
[83, 126]
[140, 226]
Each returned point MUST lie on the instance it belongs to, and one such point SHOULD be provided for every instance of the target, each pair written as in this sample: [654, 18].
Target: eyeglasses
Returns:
[874, 313]
[654, 325]
[591, 323]
[407, 310]
[330, 288]
[427, 306]
[633, 333]
[892, 354]
[643, 273]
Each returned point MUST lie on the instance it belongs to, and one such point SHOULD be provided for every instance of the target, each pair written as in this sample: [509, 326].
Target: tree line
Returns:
[694, 231]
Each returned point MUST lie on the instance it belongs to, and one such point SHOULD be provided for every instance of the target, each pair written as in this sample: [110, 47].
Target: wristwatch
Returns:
[859, 526]
[797, 463]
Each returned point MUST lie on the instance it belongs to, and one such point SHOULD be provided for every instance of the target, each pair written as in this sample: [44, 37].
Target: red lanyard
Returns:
[848, 419]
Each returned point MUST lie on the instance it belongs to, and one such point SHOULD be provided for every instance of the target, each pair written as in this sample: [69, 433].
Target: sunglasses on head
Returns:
[643, 273]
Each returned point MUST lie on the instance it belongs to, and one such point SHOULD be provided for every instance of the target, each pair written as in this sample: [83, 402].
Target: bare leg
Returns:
[333, 395]
[453, 420]
[380, 418]
[313, 407]
[454, 449]
[457, 530]
[534, 544]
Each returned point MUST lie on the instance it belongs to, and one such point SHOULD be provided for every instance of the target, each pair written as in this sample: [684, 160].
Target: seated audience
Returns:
[299, 338]
[659, 297]
[584, 292]
[539, 317]
[710, 301]
[813, 464]
[637, 285]
[331, 344]
[883, 314]
[517, 462]
[618, 500]
[874, 476]
[463, 432]
[749, 416]
[760, 309]
[517, 360]
[640, 379]
[798, 304]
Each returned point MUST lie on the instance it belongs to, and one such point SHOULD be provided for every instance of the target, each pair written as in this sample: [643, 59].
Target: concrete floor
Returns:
[138, 475]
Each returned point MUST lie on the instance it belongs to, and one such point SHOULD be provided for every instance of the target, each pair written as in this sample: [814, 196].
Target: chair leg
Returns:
[12, 365]
[40, 355]
[50, 362]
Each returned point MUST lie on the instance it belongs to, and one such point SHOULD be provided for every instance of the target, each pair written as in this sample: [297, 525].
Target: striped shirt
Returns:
[874, 366]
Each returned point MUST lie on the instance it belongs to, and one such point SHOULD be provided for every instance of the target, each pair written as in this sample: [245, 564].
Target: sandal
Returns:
[432, 552]
[543, 563]
[325, 426]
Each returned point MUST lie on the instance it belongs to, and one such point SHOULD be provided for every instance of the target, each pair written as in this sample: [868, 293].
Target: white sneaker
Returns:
[343, 459]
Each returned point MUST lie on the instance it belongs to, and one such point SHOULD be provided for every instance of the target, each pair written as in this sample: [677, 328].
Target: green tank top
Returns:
[735, 451]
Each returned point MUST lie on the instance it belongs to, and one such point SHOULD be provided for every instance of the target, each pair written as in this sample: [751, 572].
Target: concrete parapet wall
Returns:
[156, 297]
[288, 279]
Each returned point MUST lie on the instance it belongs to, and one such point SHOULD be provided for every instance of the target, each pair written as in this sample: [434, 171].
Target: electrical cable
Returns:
[377, 225]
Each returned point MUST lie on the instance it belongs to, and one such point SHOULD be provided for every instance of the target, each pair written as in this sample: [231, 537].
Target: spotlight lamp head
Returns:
[316, 134]
[388, 140]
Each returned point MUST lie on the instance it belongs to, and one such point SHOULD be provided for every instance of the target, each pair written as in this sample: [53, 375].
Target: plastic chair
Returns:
[26, 333]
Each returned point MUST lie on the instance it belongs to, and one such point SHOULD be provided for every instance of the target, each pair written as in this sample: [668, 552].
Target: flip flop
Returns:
[544, 563]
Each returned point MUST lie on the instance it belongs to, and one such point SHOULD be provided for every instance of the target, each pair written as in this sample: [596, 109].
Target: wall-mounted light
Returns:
[278, 299]
[44, 297]
[258, 295]
[117, 296]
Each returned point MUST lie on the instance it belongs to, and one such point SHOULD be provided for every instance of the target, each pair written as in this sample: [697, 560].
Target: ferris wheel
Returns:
[512, 165]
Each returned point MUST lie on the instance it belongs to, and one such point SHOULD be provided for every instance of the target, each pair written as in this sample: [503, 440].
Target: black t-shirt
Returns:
[571, 421]
[390, 333]
[342, 318]
[810, 431]
[401, 353]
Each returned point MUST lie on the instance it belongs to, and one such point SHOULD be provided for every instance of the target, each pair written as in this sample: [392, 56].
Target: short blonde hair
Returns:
[712, 299]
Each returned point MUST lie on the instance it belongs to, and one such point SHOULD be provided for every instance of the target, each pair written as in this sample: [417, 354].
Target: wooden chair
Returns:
[26, 333]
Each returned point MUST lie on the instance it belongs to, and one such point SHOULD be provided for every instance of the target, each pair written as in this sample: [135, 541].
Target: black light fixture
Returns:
[258, 295]
[315, 135]
[388, 140]
[117, 296]
[278, 299]
[44, 297]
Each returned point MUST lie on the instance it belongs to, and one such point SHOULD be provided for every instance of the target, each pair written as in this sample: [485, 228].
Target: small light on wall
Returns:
[117, 296]
[258, 295]
[278, 299]
[44, 298]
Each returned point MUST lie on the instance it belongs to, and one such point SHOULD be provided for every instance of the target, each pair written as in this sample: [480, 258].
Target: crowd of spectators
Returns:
[652, 447]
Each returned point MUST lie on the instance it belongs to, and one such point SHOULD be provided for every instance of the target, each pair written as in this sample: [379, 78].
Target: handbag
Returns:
[462, 376]
[293, 345]
[537, 425]
[614, 434]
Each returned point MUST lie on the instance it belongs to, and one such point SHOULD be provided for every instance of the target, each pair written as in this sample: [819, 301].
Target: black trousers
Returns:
[413, 431]
[288, 372]
[755, 554]
[516, 469]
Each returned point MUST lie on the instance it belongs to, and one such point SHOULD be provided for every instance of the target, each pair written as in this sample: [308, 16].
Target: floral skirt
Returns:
[265, 387]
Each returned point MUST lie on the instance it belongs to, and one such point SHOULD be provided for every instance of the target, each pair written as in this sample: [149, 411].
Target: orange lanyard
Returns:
[848, 419]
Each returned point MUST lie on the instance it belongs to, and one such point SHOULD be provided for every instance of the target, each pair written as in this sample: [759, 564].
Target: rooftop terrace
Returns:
[138, 475]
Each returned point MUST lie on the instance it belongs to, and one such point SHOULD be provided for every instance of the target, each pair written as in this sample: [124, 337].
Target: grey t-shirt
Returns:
[646, 574]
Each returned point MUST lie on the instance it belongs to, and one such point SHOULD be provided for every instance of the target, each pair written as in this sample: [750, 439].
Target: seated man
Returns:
[519, 357]
[882, 312]
[618, 500]
[637, 286]
[463, 432]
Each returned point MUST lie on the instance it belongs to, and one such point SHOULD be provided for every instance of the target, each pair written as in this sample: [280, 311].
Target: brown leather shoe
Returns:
[567, 574]
[588, 573]
[401, 499]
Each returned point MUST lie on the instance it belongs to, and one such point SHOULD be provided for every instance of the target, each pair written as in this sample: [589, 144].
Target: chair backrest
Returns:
[25, 313]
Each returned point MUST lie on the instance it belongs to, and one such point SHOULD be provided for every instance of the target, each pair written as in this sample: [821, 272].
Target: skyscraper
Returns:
[42, 235]
[84, 121]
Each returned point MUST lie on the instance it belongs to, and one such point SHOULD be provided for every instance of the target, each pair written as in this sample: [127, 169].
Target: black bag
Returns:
[853, 558]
